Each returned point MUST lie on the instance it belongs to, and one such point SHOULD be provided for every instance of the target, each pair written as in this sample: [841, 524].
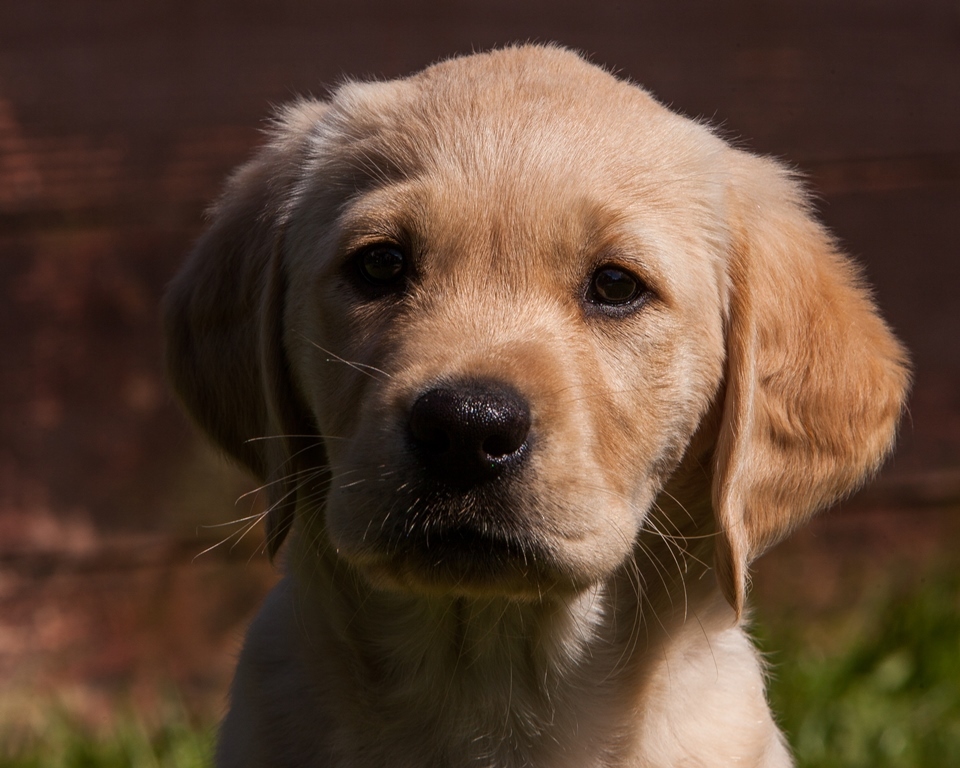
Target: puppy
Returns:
[532, 369]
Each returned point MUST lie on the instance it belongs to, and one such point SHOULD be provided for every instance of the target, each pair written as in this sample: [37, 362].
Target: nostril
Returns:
[509, 437]
[470, 433]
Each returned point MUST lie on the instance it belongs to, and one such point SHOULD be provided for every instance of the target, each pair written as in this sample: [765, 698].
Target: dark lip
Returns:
[440, 545]
[438, 538]
[467, 556]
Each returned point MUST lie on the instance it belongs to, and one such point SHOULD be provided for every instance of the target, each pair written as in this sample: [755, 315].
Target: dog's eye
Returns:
[615, 287]
[382, 264]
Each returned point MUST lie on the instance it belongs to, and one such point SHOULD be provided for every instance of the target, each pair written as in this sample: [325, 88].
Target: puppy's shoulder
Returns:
[705, 697]
[276, 714]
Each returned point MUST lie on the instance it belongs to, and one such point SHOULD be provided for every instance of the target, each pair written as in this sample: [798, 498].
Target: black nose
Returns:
[471, 433]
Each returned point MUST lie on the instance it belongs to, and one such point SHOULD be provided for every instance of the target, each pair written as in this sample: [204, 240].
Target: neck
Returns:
[498, 680]
[491, 679]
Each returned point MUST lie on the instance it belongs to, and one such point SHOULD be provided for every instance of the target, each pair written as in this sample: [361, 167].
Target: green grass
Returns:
[129, 743]
[879, 687]
[875, 686]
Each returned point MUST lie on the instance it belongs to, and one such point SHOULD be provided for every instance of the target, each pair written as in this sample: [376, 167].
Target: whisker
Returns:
[359, 367]
[280, 437]
[283, 479]
[676, 501]
[238, 535]
[250, 522]
[239, 520]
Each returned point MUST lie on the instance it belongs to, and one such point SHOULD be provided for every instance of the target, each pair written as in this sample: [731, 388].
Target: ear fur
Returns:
[815, 380]
[223, 323]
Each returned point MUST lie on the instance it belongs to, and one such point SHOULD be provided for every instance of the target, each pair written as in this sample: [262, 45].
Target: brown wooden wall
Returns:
[119, 119]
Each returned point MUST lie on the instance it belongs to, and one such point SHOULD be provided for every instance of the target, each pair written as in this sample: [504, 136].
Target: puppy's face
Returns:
[482, 312]
[508, 331]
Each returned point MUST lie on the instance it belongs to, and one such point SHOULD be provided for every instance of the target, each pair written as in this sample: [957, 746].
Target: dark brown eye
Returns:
[382, 265]
[614, 286]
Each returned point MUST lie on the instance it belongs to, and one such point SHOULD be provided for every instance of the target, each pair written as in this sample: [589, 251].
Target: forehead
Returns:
[517, 148]
[542, 114]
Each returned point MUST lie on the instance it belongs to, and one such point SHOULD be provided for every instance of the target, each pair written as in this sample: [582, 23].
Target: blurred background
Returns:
[118, 122]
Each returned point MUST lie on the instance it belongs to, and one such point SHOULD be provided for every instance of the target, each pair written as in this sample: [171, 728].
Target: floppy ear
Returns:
[815, 381]
[223, 324]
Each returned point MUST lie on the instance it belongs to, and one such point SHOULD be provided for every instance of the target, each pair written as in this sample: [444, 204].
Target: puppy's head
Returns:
[483, 313]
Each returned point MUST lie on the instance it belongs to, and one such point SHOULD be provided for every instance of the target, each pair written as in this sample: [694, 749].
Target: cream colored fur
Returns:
[670, 442]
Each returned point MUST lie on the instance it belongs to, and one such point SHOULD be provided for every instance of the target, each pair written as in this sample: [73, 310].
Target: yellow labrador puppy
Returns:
[532, 368]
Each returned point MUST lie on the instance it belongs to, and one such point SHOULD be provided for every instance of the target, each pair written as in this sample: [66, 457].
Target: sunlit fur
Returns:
[670, 444]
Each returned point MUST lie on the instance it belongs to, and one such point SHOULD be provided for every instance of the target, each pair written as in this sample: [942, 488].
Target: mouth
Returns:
[464, 548]
[463, 560]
